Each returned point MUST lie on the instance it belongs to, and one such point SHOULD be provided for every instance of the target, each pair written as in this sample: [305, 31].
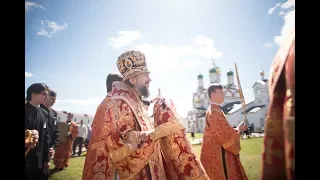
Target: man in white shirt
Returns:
[82, 135]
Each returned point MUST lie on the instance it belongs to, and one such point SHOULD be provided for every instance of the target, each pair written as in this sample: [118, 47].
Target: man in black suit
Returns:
[37, 160]
[52, 120]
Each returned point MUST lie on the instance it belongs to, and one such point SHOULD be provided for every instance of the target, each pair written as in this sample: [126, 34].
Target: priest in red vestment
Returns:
[221, 142]
[93, 156]
[127, 134]
[279, 135]
[179, 157]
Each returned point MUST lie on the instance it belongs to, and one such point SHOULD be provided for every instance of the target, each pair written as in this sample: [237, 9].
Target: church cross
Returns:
[213, 62]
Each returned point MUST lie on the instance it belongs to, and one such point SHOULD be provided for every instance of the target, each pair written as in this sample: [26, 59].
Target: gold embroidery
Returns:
[271, 152]
[131, 98]
[288, 93]
[231, 142]
[135, 172]
[273, 125]
[290, 124]
[96, 145]
[132, 63]
[121, 153]
[289, 103]
[176, 150]
[133, 137]
[167, 129]
[204, 176]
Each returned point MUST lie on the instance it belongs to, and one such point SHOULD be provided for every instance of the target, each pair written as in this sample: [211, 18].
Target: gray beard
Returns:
[144, 91]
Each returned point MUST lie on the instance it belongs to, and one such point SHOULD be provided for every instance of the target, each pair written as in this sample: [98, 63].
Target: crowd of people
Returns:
[42, 127]
[126, 144]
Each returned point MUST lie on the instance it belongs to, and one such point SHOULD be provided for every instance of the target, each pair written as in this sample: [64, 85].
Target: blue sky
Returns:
[72, 45]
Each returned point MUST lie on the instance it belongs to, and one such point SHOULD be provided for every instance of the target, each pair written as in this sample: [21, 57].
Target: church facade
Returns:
[256, 109]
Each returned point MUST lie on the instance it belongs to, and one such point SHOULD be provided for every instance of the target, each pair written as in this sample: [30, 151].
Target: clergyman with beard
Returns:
[127, 130]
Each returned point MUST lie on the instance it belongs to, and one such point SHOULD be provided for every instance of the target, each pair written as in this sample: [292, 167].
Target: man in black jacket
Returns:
[37, 161]
[52, 120]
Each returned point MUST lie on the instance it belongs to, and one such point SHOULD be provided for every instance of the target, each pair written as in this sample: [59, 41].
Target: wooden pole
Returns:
[243, 103]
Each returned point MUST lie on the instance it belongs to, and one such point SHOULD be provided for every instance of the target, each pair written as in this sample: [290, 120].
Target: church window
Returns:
[262, 122]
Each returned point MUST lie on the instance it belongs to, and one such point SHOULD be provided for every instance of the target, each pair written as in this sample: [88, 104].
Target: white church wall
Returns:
[201, 124]
[201, 100]
[258, 118]
[77, 117]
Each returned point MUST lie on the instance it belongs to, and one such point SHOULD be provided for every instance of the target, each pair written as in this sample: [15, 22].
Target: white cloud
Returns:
[27, 74]
[288, 14]
[56, 27]
[30, 5]
[179, 57]
[43, 32]
[288, 26]
[281, 13]
[268, 45]
[289, 4]
[271, 10]
[124, 39]
[50, 28]
[162, 55]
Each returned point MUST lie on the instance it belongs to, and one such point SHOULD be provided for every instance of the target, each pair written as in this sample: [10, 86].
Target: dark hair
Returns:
[35, 88]
[213, 87]
[112, 78]
[52, 93]
[145, 102]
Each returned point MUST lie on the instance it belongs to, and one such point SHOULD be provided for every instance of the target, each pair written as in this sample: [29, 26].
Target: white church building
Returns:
[256, 109]
[62, 116]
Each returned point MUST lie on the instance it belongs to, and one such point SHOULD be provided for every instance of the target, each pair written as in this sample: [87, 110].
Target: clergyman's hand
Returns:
[46, 166]
[242, 127]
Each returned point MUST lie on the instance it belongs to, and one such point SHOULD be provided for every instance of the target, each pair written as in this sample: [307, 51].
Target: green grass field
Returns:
[250, 155]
